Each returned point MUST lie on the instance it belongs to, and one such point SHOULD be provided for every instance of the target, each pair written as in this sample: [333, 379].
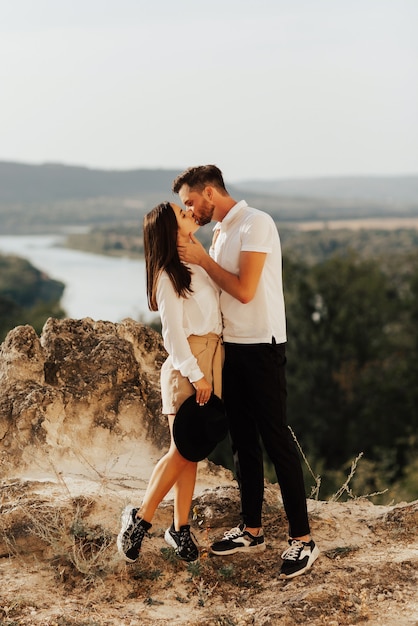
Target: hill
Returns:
[52, 182]
[390, 190]
[53, 197]
[80, 431]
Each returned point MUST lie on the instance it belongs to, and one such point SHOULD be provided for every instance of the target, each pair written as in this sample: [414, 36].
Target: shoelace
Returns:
[233, 533]
[292, 553]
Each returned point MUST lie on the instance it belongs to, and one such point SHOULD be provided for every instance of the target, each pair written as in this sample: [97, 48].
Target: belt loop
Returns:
[273, 340]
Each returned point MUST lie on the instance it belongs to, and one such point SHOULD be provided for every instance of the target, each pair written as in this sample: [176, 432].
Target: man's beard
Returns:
[207, 214]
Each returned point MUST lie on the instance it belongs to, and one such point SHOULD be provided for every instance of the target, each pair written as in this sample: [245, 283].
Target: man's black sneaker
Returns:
[131, 534]
[183, 542]
[239, 540]
[298, 558]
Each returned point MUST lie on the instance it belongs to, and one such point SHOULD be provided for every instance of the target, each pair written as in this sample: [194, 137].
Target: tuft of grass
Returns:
[182, 600]
[194, 569]
[61, 620]
[339, 552]
[151, 602]
[224, 620]
[344, 487]
[315, 488]
[203, 591]
[88, 550]
[169, 555]
[145, 574]
[227, 571]
[13, 608]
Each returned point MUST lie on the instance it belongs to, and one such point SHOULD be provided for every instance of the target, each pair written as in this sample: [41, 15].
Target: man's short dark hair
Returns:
[199, 177]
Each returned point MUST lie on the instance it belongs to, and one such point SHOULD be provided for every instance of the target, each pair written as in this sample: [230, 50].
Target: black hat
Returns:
[197, 429]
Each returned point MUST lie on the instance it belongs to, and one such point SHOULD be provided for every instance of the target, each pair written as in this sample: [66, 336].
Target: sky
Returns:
[265, 90]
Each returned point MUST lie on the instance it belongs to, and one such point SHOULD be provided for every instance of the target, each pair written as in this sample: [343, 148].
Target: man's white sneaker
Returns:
[239, 540]
[298, 558]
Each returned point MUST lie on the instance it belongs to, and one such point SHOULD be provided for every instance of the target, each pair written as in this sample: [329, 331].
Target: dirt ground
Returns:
[78, 443]
[59, 565]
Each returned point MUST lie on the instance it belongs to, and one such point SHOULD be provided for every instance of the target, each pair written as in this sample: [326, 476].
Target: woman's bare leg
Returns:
[171, 469]
[183, 495]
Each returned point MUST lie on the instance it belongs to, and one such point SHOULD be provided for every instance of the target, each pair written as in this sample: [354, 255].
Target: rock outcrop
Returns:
[83, 397]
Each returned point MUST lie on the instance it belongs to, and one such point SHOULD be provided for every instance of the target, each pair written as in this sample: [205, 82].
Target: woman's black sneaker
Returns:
[131, 534]
[183, 542]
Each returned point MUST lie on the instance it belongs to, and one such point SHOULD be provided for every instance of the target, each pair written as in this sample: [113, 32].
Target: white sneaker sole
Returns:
[126, 521]
[311, 561]
[260, 547]
[171, 542]
[169, 539]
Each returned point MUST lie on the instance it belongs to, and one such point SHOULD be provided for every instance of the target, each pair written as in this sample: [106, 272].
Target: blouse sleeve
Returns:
[170, 307]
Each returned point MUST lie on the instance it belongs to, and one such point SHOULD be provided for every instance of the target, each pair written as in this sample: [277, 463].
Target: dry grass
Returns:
[59, 542]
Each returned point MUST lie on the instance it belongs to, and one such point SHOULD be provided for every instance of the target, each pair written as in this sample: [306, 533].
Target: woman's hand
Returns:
[203, 391]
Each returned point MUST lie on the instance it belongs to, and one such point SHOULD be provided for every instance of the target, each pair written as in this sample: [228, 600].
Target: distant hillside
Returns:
[387, 189]
[52, 197]
[21, 183]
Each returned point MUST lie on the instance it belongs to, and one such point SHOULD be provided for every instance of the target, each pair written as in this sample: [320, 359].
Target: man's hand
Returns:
[192, 252]
[242, 286]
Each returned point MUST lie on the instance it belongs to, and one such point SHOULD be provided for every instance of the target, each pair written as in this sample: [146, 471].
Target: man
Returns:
[245, 261]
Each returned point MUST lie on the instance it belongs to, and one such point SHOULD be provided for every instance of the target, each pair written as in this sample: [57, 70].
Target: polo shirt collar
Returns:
[233, 213]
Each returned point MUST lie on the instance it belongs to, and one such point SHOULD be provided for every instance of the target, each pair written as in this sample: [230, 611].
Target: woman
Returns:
[188, 304]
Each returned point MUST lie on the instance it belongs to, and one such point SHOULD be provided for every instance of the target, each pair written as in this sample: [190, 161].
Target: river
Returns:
[97, 286]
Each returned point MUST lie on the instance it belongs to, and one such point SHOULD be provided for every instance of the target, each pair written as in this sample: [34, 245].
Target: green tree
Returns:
[349, 367]
[10, 315]
[27, 295]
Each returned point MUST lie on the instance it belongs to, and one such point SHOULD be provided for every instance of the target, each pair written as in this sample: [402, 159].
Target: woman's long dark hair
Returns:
[160, 249]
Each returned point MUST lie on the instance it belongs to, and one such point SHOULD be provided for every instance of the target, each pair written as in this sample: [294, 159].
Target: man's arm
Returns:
[241, 287]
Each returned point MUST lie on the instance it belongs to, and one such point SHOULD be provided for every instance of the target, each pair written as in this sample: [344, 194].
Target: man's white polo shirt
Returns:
[245, 229]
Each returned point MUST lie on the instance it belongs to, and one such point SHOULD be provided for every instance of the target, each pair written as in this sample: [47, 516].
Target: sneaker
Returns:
[239, 540]
[183, 542]
[298, 558]
[131, 534]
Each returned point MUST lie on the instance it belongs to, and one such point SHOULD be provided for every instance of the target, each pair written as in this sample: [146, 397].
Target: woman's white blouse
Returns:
[197, 314]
